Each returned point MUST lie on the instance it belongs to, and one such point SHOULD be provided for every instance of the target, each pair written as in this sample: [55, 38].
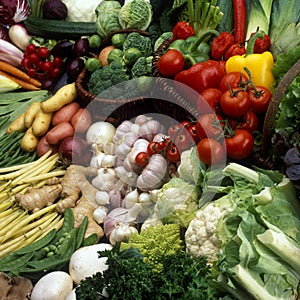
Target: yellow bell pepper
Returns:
[259, 65]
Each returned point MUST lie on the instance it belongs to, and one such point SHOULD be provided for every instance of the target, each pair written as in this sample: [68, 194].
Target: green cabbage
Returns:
[107, 17]
[136, 14]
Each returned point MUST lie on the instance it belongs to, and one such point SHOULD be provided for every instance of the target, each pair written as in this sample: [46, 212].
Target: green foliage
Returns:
[137, 40]
[129, 277]
[142, 67]
[155, 242]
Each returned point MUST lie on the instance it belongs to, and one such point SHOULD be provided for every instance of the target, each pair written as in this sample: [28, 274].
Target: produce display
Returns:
[149, 149]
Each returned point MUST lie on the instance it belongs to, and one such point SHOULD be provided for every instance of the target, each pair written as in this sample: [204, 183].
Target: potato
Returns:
[18, 124]
[82, 120]
[41, 123]
[59, 132]
[65, 95]
[55, 285]
[29, 141]
[66, 113]
[103, 55]
[43, 147]
[31, 113]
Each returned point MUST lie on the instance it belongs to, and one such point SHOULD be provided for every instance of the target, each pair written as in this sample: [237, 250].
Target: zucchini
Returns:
[57, 29]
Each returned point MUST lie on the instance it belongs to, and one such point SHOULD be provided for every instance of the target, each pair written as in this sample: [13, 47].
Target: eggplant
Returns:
[74, 68]
[63, 49]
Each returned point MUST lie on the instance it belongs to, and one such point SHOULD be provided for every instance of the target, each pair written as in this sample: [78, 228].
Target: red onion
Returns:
[4, 33]
[74, 150]
[13, 11]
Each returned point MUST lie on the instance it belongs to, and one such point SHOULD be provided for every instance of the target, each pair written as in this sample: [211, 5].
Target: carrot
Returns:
[15, 72]
[239, 21]
[24, 84]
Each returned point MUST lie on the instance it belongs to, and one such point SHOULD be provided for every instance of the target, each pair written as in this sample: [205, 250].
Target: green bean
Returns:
[17, 263]
[81, 232]
[41, 243]
[90, 240]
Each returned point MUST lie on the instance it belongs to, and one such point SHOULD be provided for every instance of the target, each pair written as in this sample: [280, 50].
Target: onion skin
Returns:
[74, 150]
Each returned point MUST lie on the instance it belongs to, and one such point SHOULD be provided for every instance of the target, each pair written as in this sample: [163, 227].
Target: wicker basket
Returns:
[124, 108]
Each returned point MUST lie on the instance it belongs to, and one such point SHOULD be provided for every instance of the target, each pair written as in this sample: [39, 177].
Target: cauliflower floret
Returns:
[200, 236]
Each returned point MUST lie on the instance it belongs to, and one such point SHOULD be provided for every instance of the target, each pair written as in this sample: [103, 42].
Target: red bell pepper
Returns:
[202, 75]
[182, 30]
[261, 44]
[235, 49]
[220, 44]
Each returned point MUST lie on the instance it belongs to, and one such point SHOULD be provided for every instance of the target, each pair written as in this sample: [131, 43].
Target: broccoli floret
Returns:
[137, 40]
[106, 77]
[156, 242]
[142, 67]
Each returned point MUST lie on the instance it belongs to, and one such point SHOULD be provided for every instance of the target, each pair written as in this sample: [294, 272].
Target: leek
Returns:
[7, 85]
[259, 16]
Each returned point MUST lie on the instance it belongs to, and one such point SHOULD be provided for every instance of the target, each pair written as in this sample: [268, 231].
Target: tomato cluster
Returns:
[40, 64]
[228, 118]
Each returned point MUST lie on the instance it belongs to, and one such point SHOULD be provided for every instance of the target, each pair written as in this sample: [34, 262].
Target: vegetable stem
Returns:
[237, 169]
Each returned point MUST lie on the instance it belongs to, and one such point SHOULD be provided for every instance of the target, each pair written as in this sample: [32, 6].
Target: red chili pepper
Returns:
[220, 44]
[235, 49]
[202, 75]
[261, 45]
[239, 21]
[182, 30]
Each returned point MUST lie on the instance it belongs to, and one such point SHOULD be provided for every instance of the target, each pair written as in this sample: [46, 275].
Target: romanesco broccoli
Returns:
[156, 242]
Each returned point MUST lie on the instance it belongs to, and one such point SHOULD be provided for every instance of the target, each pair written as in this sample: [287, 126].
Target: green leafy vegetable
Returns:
[107, 21]
[142, 67]
[136, 14]
[138, 41]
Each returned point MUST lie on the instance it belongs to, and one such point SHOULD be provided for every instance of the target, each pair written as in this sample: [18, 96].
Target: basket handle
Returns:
[271, 112]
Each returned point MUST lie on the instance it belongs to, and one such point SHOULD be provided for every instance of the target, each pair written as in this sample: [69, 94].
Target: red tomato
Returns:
[152, 148]
[233, 80]
[174, 129]
[173, 153]
[170, 63]
[142, 159]
[191, 129]
[209, 125]
[210, 151]
[240, 145]
[260, 98]
[235, 102]
[212, 97]
[249, 121]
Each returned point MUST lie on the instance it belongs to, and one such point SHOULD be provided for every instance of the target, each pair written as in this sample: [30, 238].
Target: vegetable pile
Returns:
[192, 198]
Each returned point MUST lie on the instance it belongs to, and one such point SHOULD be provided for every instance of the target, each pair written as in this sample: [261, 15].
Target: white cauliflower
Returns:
[200, 236]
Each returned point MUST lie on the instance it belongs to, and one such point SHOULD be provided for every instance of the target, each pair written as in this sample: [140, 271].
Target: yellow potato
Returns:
[29, 141]
[31, 113]
[62, 97]
[41, 123]
[18, 124]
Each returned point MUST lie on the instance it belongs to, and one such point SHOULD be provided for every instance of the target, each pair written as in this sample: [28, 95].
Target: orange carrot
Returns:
[14, 71]
[24, 84]
[34, 82]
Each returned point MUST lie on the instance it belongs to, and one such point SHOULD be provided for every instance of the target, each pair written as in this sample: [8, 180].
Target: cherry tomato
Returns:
[192, 131]
[173, 153]
[43, 52]
[210, 151]
[260, 98]
[170, 63]
[249, 122]
[142, 159]
[212, 97]
[240, 145]
[154, 147]
[209, 125]
[235, 102]
[174, 129]
[233, 80]
[182, 141]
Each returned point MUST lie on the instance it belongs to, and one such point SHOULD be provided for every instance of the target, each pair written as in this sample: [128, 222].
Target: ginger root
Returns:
[83, 208]
[75, 184]
[38, 198]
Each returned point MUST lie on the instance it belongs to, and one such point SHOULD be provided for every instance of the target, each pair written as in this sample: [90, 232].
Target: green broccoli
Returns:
[137, 40]
[156, 242]
[142, 67]
[107, 77]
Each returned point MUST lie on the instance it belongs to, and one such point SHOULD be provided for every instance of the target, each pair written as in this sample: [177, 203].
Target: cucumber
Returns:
[57, 29]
